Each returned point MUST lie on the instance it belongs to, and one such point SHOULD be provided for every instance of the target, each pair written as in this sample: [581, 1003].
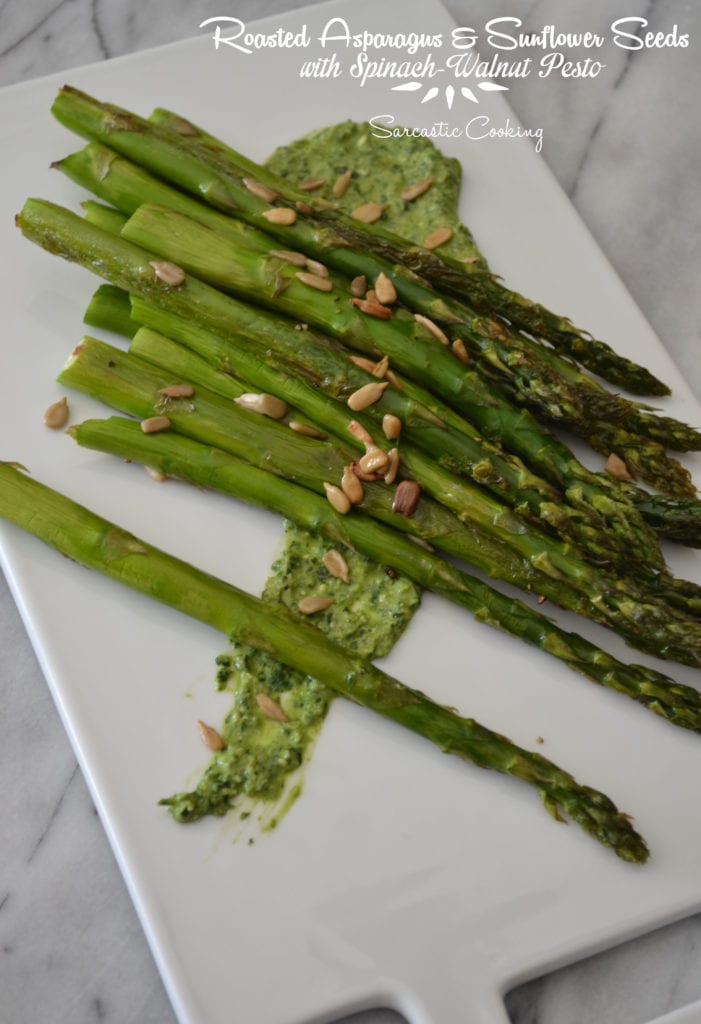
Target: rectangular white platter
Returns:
[400, 878]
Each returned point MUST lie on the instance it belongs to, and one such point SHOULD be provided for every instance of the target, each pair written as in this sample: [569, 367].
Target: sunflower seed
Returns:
[340, 185]
[432, 328]
[391, 426]
[270, 708]
[392, 466]
[406, 497]
[154, 424]
[155, 474]
[337, 499]
[351, 486]
[414, 191]
[358, 431]
[281, 215]
[266, 405]
[170, 273]
[361, 474]
[56, 415]
[310, 184]
[366, 396]
[210, 737]
[177, 391]
[336, 565]
[368, 213]
[305, 428]
[374, 461]
[385, 290]
[380, 369]
[460, 352]
[616, 467]
[322, 284]
[317, 268]
[312, 605]
[373, 308]
[289, 256]
[358, 286]
[438, 237]
[257, 188]
[363, 363]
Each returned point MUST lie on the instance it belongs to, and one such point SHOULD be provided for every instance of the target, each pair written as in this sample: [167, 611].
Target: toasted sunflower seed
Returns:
[406, 497]
[177, 391]
[270, 708]
[340, 185]
[358, 286]
[373, 308]
[336, 565]
[281, 215]
[380, 369]
[358, 431]
[289, 256]
[322, 284]
[368, 213]
[337, 499]
[385, 290]
[414, 191]
[317, 268]
[305, 428]
[438, 237]
[351, 486]
[616, 467]
[257, 188]
[391, 426]
[363, 363]
[358, 471]
[154, 424]
[460, 352]
[432, 328]
[310, 184]
[210, 737]
[312, 605]
[367, 395]
[266, 405]
[392, 466]
[169, 273]
[375, 460]
[56, 415]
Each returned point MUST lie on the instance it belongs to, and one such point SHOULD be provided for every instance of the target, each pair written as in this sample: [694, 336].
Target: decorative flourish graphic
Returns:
[449, 91]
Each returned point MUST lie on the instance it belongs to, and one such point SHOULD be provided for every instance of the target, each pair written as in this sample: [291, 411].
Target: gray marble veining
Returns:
[627, 149]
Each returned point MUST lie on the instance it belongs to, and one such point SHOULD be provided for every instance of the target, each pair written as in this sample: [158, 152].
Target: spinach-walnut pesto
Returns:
[381, 170]
[372, 610]
[369, 614]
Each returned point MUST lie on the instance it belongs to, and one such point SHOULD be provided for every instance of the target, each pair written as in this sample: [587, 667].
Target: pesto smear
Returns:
[372, 610]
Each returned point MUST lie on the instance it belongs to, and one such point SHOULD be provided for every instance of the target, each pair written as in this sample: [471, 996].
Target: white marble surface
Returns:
[627, 149]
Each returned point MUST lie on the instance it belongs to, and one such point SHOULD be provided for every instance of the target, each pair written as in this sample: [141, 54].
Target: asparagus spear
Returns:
[215, 173]
[246, 272]
[331, 374]
[677, 519]
[179, 457]
[127, 266]
[98, 544]
[534, 375]
[491, 293]
[500, 548]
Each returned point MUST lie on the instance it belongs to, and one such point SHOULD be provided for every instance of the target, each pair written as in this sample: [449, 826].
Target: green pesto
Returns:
[369, 613]
[373, 609]
[381, 170]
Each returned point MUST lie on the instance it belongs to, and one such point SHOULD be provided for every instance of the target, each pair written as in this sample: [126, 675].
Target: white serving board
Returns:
[400, 878]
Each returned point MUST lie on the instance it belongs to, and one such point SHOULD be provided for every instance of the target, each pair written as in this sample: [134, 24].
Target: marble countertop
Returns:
[627, 151]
